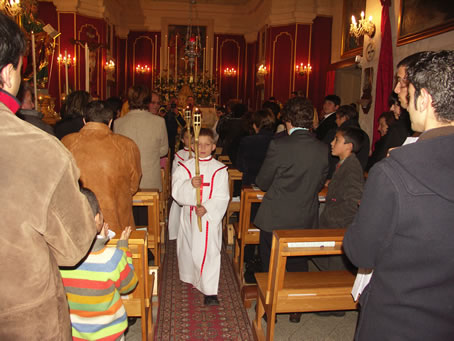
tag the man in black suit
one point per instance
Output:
(293, 173)
(330, 106)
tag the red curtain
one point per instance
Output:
(385, 74)
(330, 78)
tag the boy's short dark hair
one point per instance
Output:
(207, 132)
(92, 200)
(263, 119)
(388, 116)
(139, 97)
(333, 98)
(12, 43)
(353, 135)
(97, 111)
(114, 103)
(347, 111)
(299, 112)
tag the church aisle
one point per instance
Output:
(182, 314)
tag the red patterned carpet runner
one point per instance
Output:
(182, 314)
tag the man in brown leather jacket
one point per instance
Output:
(109, 165)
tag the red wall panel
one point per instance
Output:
(302, 55)
(140, 50)
(232, 50)
(321, 57)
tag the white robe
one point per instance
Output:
(199, 253)
(175, 209)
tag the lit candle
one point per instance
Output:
(35, 90)
(87, 69)
(168, 63)
(155, 53)
(160, 61)
(195, 70)
(176, 57)
(203, 67)
(66, 72)
(217, 53)
(211, 66)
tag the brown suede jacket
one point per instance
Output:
(110, 166)
(45, 223)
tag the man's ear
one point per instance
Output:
(6, 76)
(424, 100)
(213, 147)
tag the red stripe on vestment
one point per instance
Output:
(212, 180)
(176, 154)
(205, 252)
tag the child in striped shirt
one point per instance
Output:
(94, 286)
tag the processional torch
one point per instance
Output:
(197, 124)
(188, 118)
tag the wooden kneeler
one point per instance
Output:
(287, 292)
(150, 198)
(139, 302)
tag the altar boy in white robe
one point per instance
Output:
(175, 209)
(199, 253)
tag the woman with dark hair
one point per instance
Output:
(252, 149)
(385, 120)
(72, 113)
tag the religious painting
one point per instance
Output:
(366, 98)
(351, 46)
(177, 39)
(438, 18)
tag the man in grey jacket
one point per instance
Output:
(404, 227)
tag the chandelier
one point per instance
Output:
(193, 45)
(11, 7)
(365, 26)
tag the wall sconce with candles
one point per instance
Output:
(230, 72)
(142, 69)
(302, 69)
(364, 26)
(63, 60)
(262, 71)
(109, 66)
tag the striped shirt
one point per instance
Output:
(93, 290)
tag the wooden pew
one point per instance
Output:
(287, 292)
(150, 198)
(138, 302)
(247, 233)
(224, 159)
(234, 206)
